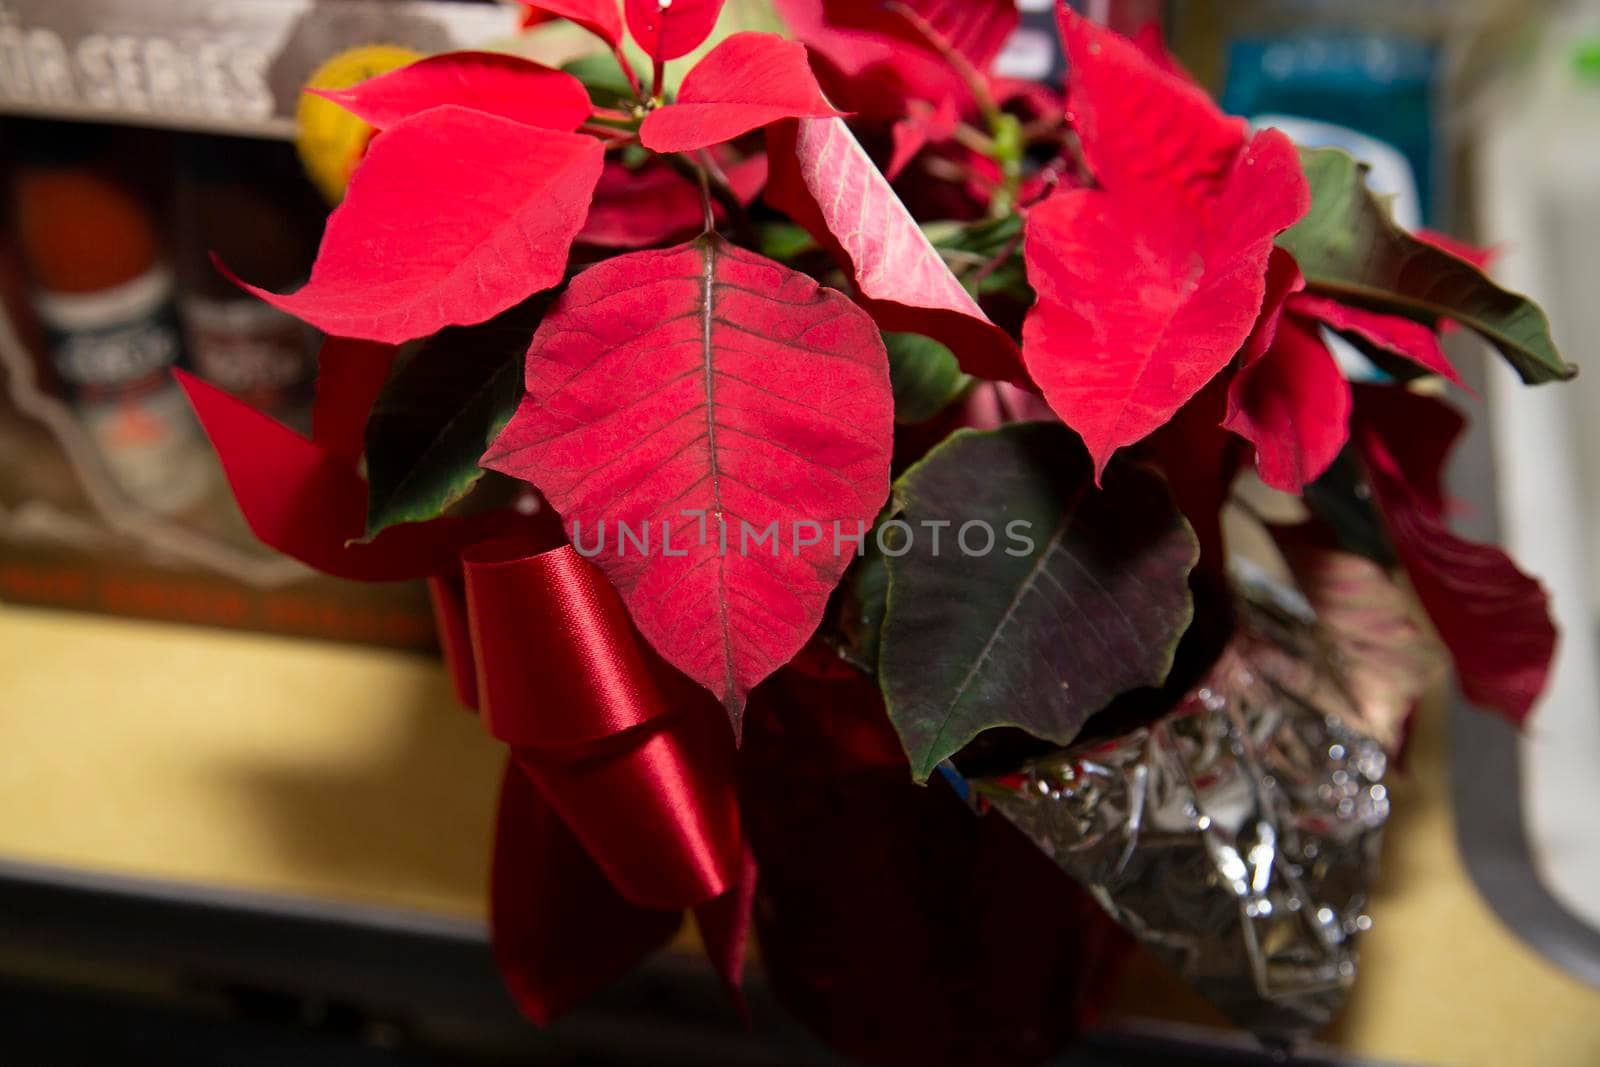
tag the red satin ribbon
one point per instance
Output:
(619, 808)
(622, 777)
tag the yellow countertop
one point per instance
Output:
(290, 766)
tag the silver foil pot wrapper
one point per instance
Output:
(1237, 835)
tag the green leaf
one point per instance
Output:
(439, 412)
(925, 376)
(607, 84)
(1082, 597)
(784, 241)
(1349, 247)
(1341, 499)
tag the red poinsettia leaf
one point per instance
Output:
(707, 379)
(1149, 40)
(1389, 333)
(1293, 403)
(748, 81)
(1419, 431)
(1142, 127)
(669, 29)
(923, 125)
(454, 216)
(1143, 298)
(603, 18)
(499, 84)
(1494, 619)
(350, 375)
(857, 34)
(654, 203)
(1283, 281)
(307, 500)
(824, 180)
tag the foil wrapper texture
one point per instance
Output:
(1237, 835)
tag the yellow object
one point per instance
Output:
(331, 141)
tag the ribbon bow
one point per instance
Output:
(619, 807)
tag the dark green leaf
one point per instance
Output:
(439, 412)
(607, 84)
(925, 375)
(1341, 499)
(1082, 597)
(1349, 247)
(784, 241)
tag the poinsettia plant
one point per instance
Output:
(840, 352)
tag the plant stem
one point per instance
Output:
(628, 72)
(705, 198)
(999, 260)
(962, 66)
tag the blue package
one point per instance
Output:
(1372, 93)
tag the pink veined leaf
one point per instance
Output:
(823, 180)
(1390, 333)
(1494, 619)
(504, 85)
(1293, 403)
(748, 81)
(454, 216)
(670, 29)
(634, 208)
(1144, 130)
(603, 18)
(1143, 296)
(923, 125)
(1389, 660)
(708, 398)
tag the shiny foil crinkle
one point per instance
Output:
(1236, 836)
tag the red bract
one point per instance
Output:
(454, 216)
(600, 17)
(1386, 333)
(668, 29)
(350, 375)
(1140, 305)
(1293, 404)
(746, 82)
(307, 500)
(706, 390)
(880, 55)
(1145, 130)
(923, 125)
(1494, 619)
(1289, 397)
(823, 180)
(1148, 284)
(655, 203)
(499, 84)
